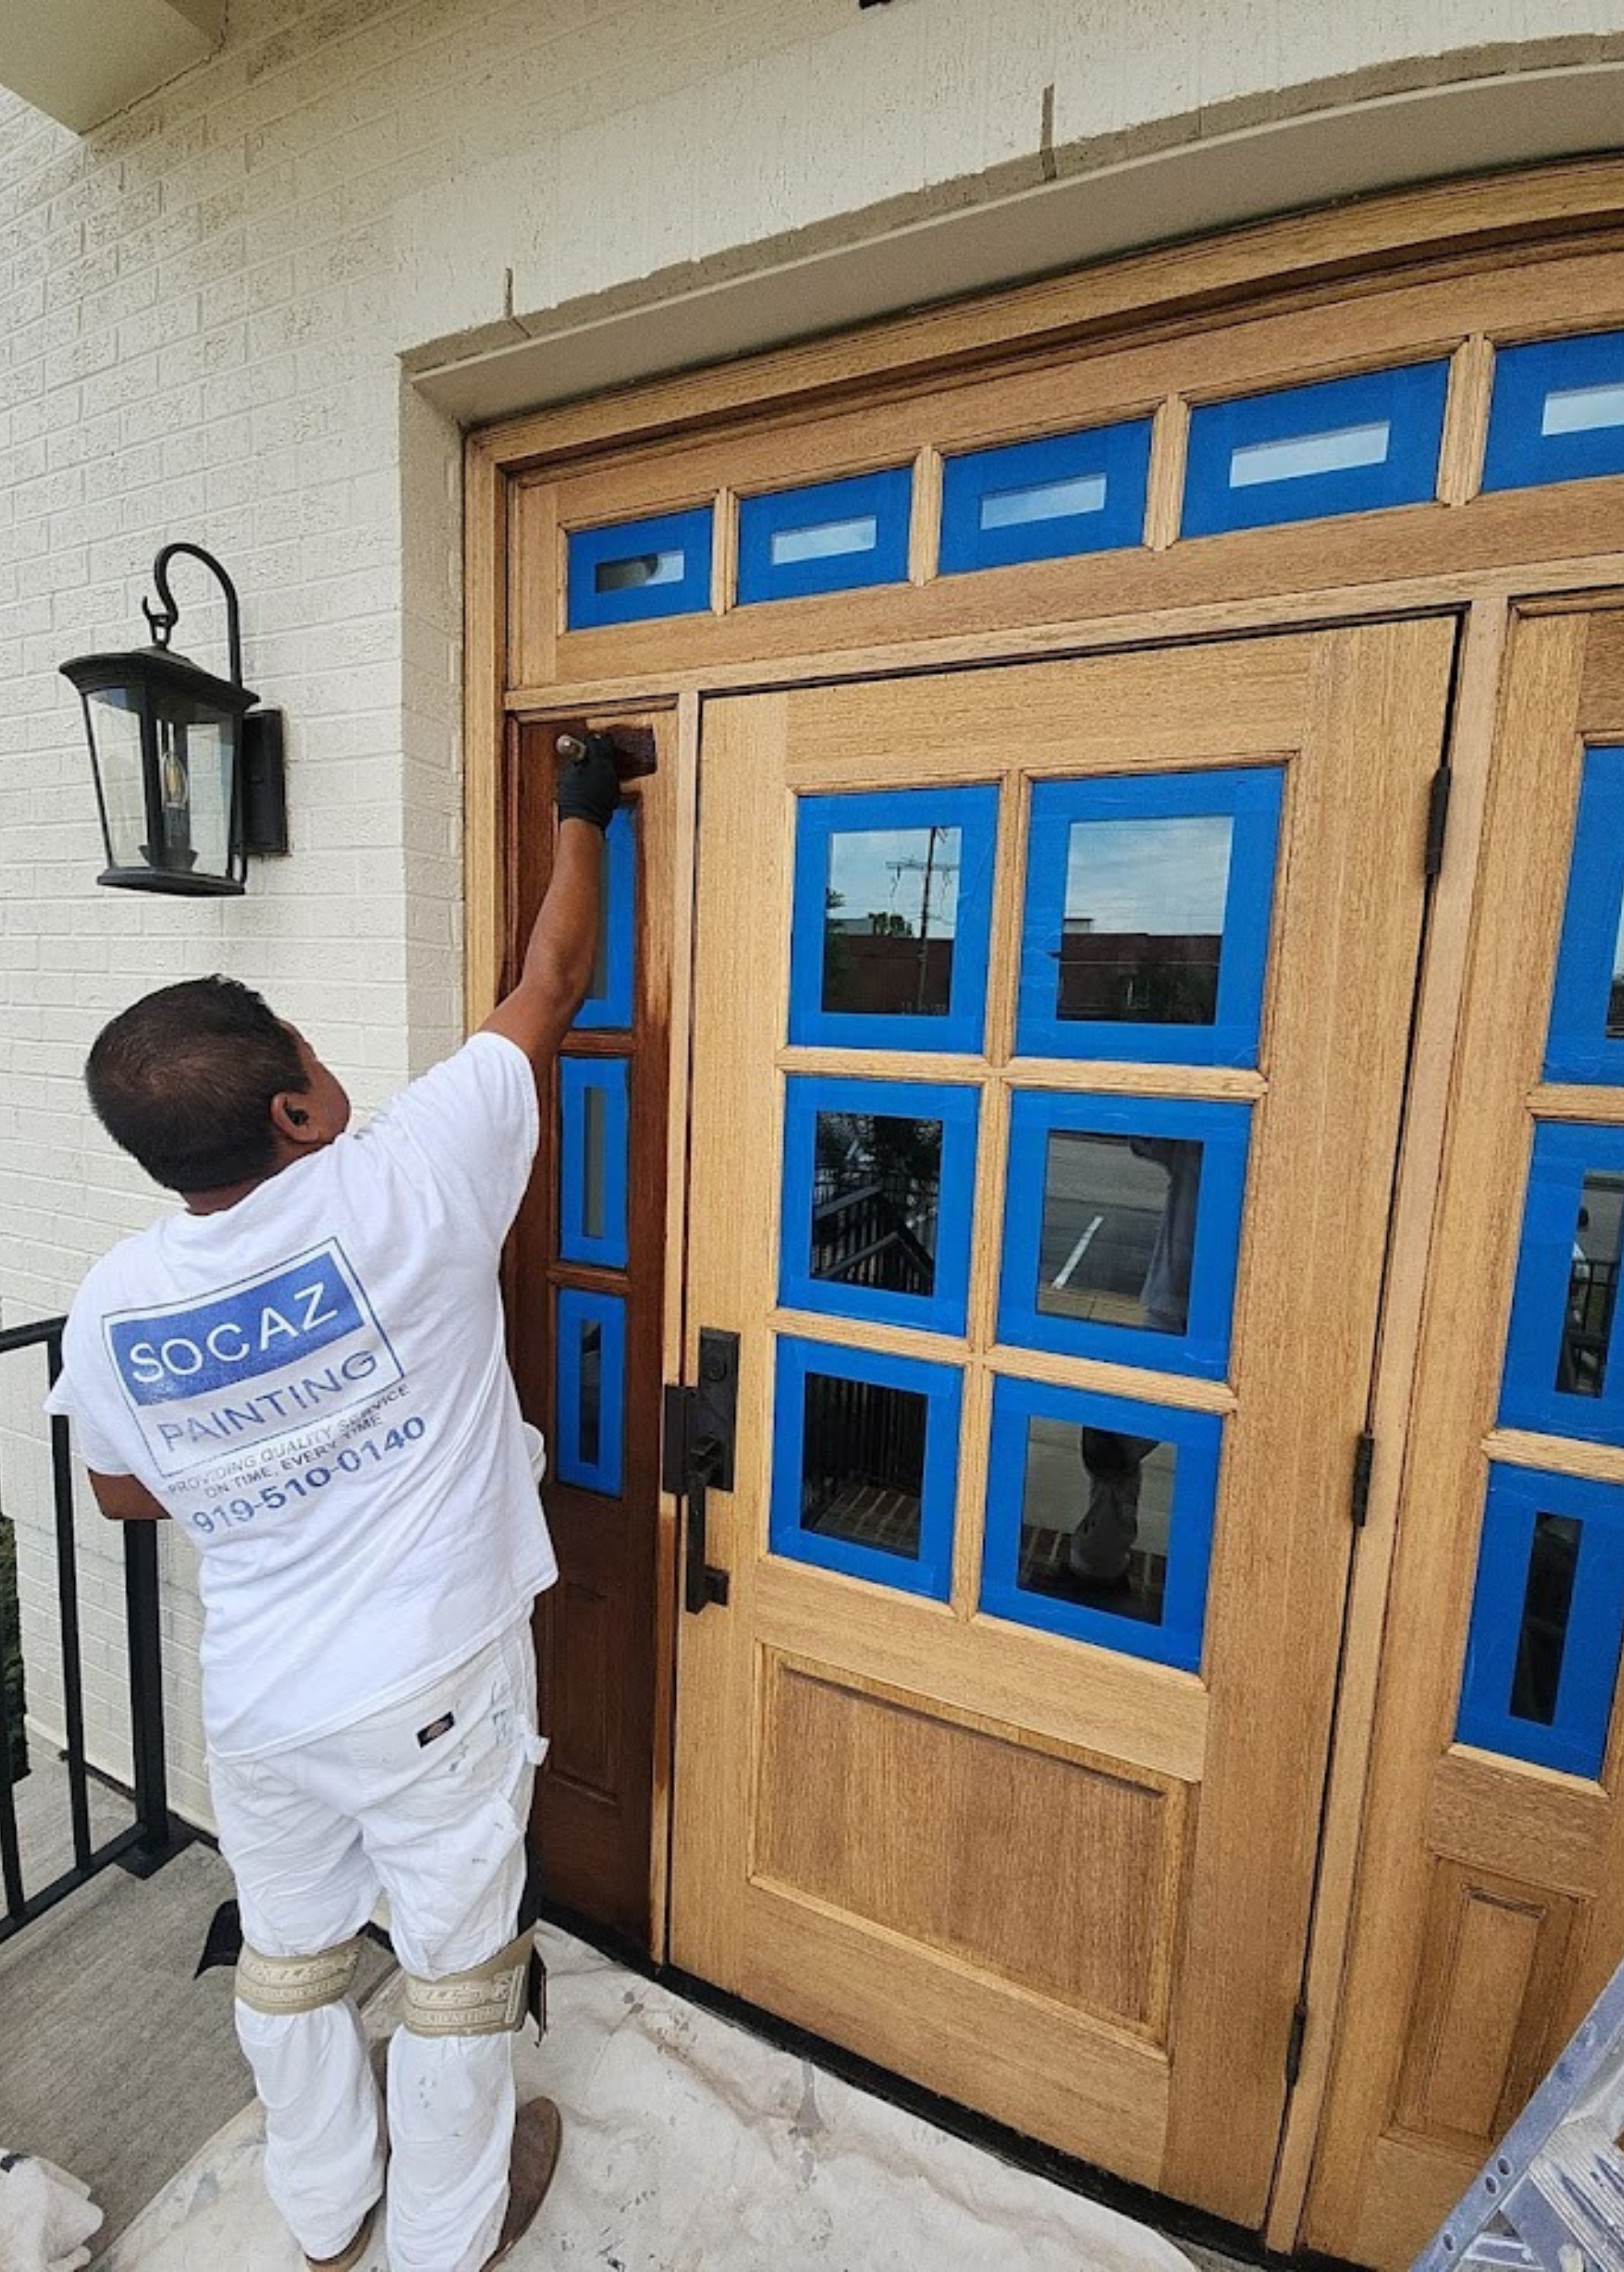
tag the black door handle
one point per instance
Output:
(700, 1424)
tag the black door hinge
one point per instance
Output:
(1437, 820)
(1363, 1460)
(1294, 2047)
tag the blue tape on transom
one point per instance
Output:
(1557, 413)
(637, 570)
(611, 1005)
(1563, 1376)
(858, 972)
(1197, 1440)
(869, 1236)
(1169, 874)
(1586, 1041)
(834, 536)
(591, 1359)
(595, 1158)
(1103, 1271)
(1542, 1654)
(1043, 500)
(1342, 445)
(866, 1449)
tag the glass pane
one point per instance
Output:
(1615, 992)
(1582, 409)
(1592, 1286)
(891, 916)
(639, 571)
(117, 729)
(1096, 1518)
(589, 1416)
(876, 1194)
(1144, 919)
(1295, 457)
(863, 1463)
(1118, 1228)
(1547, 1604)
(823, 540)
(595, 1156)
(1043, 501)
(599, 988)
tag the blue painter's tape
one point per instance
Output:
(665, 565)
(1576, 1739)
(1198, 1438)
(833, 536)
(574, 1462)
(1250, 796)
(973, 813)
(1223, 1132)
(930, 1571)
(614, 1008)
(1366, 442)
(1556, 413)
(1541, 1342)
(942, 1309)
(1043, 500)
(1586, 1040)
(578, 1077)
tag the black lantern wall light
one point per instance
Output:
(187, 770)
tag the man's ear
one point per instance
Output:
(290, 1117)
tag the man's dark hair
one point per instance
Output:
(184, 1080)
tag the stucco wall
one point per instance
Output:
(202, 310)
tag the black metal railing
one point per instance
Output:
(146, 1843)
(866, 1237)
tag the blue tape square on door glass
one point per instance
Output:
(611, 1006)
(639, 569)
(591, 1369)
(878, 1197)
(1562, 1375)
(1146, 923)
(834, 536)
(1542, 1653)
(1100, 1516)
(1341, 446)
(1586, 1040)
(595, 1157)
(1122, 1228)
(865, 1464)
(893, 910)
(1557, 412)
(1043, 500)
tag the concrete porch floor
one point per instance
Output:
(692, 2145)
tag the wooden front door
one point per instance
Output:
(1049, 1057)
(1489, 1905)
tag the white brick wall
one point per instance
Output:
(201, 309)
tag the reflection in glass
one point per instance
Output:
(637, 572)
(1043, 501)
(823, 540)
(1615, 992)
(863, 1463)
(1582, 409)
(597, 992)
(1542, 1638)
(891, 913)
(595, 1160)
(589, 1415)
(1592, 1286)
(1096, 1518)
(1118, 1228)
(1144, 919)
(876, 1194)
(1299, 457)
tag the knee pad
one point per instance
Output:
(284, 1985)
(492, 1999)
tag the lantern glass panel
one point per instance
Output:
(179, 822)
(115, 716)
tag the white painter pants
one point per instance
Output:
(311, 1835)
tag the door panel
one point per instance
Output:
(1002, 1763)
(1490, 1907)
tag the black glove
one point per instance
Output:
(590, 789)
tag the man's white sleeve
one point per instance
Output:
(473, 1122)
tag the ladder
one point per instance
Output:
(1552, 2198)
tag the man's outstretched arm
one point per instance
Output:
(122, 1498)
(557, 963)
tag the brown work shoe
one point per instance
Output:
(347, 2258)
(538, 2135)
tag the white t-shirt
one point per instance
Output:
(314, 1383)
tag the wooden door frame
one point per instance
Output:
(1332, 263)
